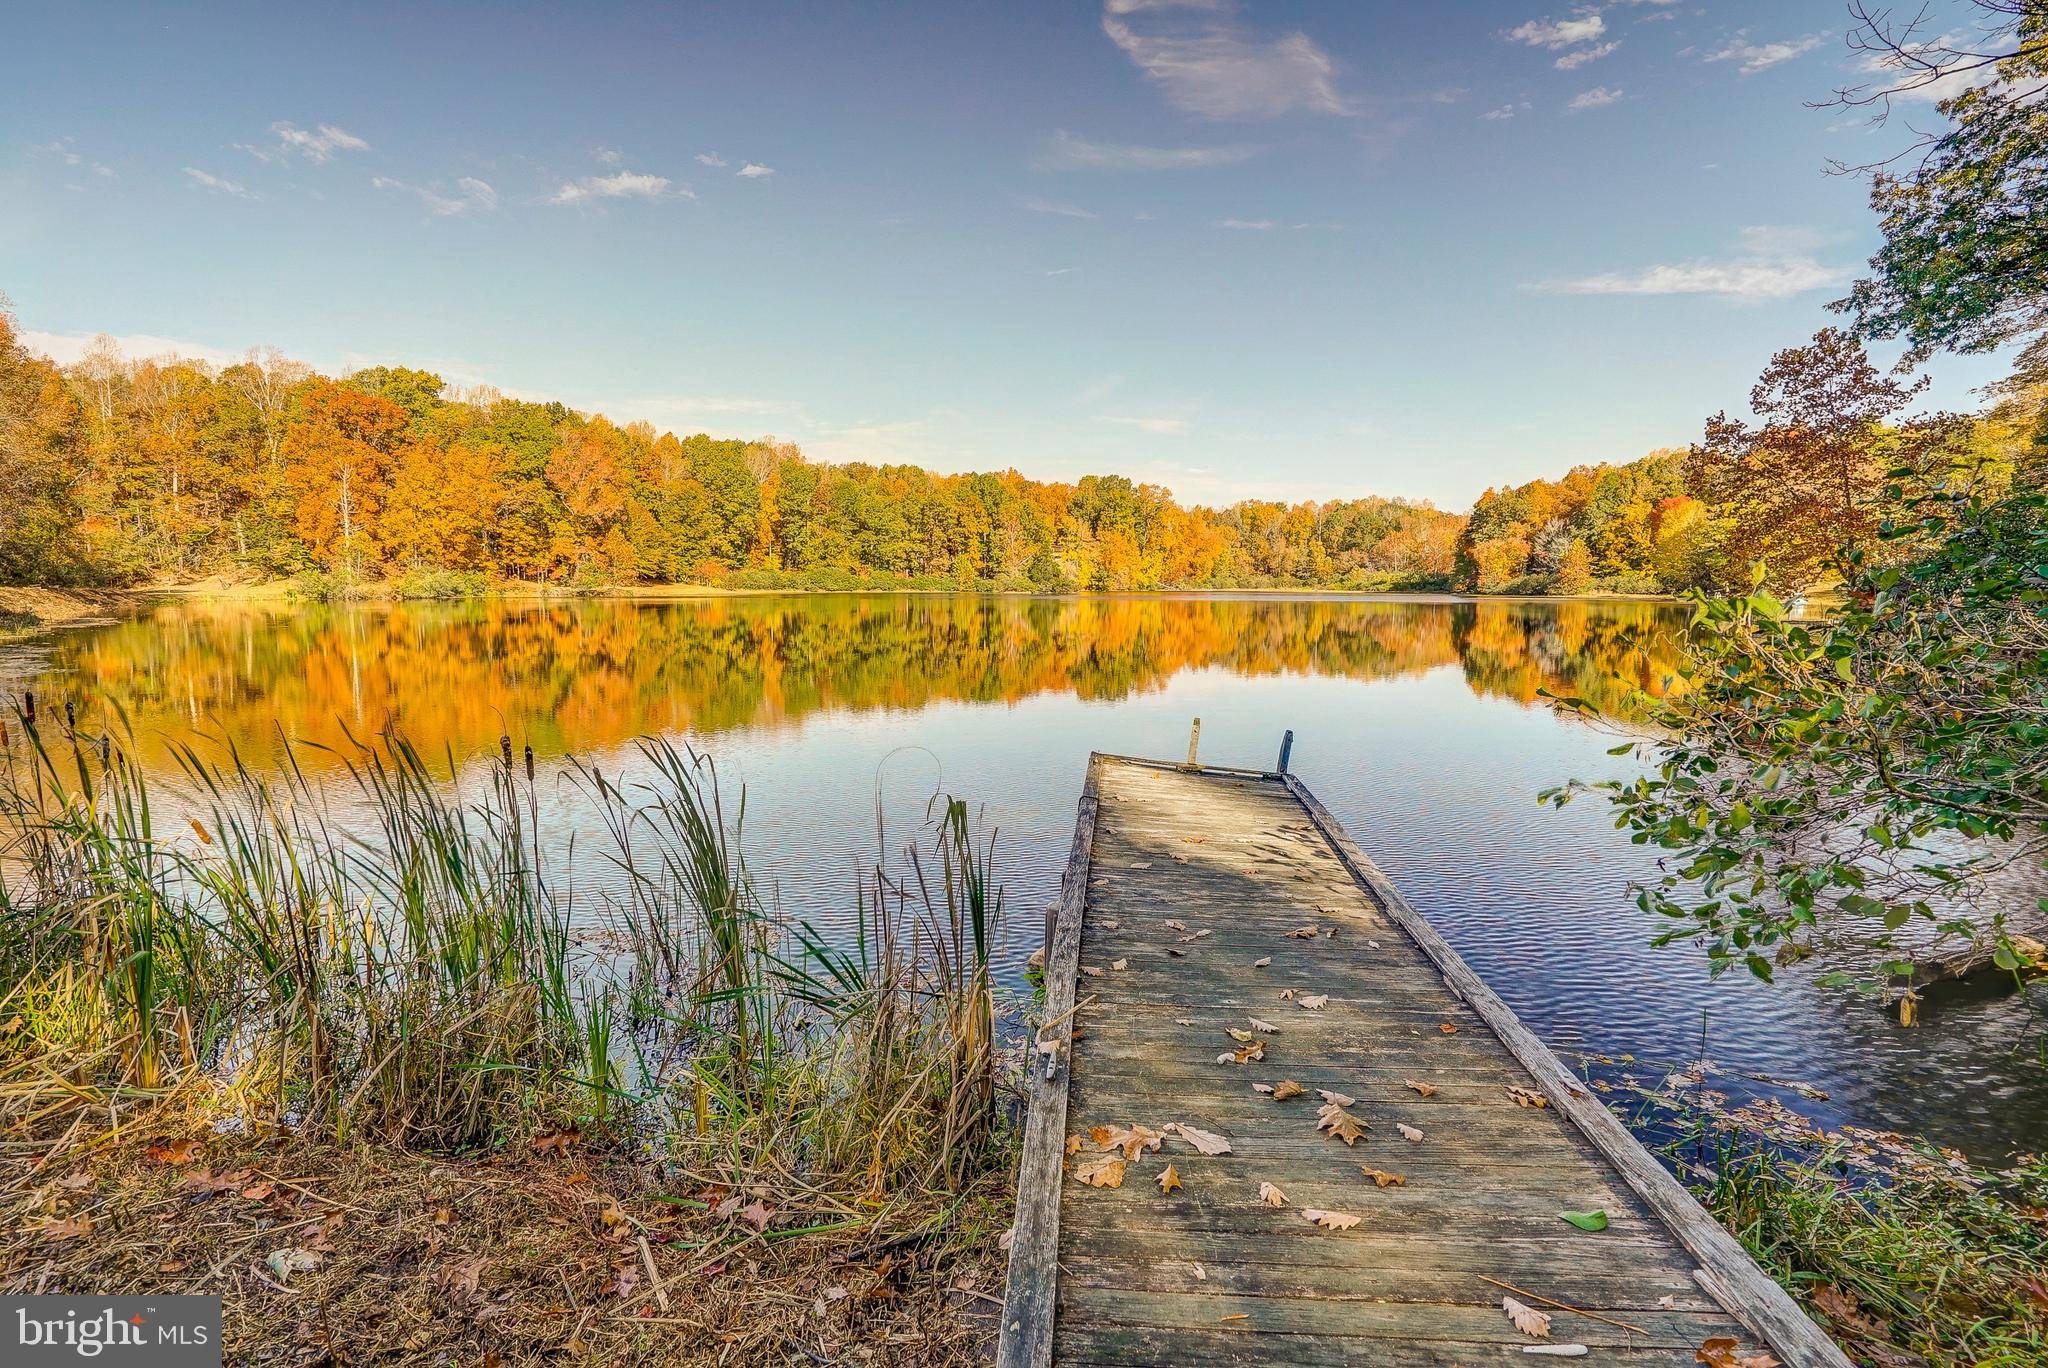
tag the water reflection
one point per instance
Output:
(589, 673)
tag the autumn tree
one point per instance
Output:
(338, 458)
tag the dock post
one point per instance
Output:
(1286, 749)
(1194, 740)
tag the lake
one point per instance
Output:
(1419, 722)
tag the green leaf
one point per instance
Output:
(1585, 1220)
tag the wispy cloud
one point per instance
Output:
(609, 156)
(754, 171)
(621, 185)
(68, 348)
(1768, 263)
(712, 160)
(66, 151)
(470, 195)
(1161, 427)
(1583, 27)
(1507, 111)
(1062, 270)
(1046, 206)
(1071, 152)
(1597, 98)
(1578, 57)
(1209, 64)
(1757, 57)
(206, 180)
(1936, 69)
(317, 144)
(1248, 225)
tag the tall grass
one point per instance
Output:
(386, 955)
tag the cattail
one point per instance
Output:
(529, 764)
(70, 716)
(505, 749)
(28, 708)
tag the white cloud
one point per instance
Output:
(1768, 263)
(1757, 57)
(1596, 98)
(315, 145)
(471, 195)
(1507, 111)
(1070, 152)
(1248, 225)
(64, 150)
(1905, 81)
(610, 156)
(621, 185)
(1210, 65)
(1583, 27)
(1161, 427)
(712, 159)
(1046, 206)
(1063, 270)
(206, 180)
(1578, 57)
(69, 348)
(754, 171)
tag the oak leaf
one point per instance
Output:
(1529, 1097)
(1340, 1124)
(1262, 961)
(1314, 1002)
(1169, 1180)
(1382, 1178)
(1408, 1132)
(1119, 965)
(1329, 1220)
(1285, 1089)
(1336, 1099)
(1448, 1028)
(69, 1228)
(1104, 1170)
(1425, 1089)
(1271, 1195)
(1724, 1351)
(173, 1152)
(1527, 1319)
(1176, 924)
(1302, 933)
(1207, 1142)
(1257, 1025)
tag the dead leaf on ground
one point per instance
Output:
(173, 1152)
(1314, 1002)
(1340, 1124)
(1169, 1180)
(1381, 1178)
(1527, 1319)
(1244, 1054)
(1130, 1139)
(1119, 965)
(757, 1214)
(1176, 924)
(1336, 1099)
(291, 1259)
(1271, 1195)
(1194, 936)
(1448, 1028)
(1408, 1132)
(1238, 1034)
(1257, 1025)
(1262, 961)
(69, 1228)
(1329, 1220)
(1285, 1089)
(1206, 1142)
(1302, 933)
(1426, 1089)
(1074, 1143)
(559, 1142)
(1529, 1097)
(1105, 1170)
(1091, 971)
(1725, 1351)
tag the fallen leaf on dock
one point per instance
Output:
(1091, 971)
(1130, 1139)
(1207, 1142)
(1408, 1132)
(1074, 1143)
(1381, 1178)
(1314, 1002)
(1272, 1195)
(1448, 1028)
(1176, 924)
(1585, 1220)
(1101, 1170)
(1257, 1025)
(1336, 1099)
(1426, 1089)
(1240, 1035)
(1170, 1180)
(1196, 935)
(1340, 1124)
(1177, 954)
(1329, 1220)
(1285, 1089)
(1236, 1316)
(1262, 961)
(1529, 1097)
(1303, 933)
(1119, 965)
(1723, 1351)
(1527, 1319)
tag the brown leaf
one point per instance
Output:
(1426, 1089)
(1529, 1097)
(1091, 971)
(1207, 1142)
(1236, 1034)
(1101, 1170)
(1130, 1139)
(1329, 1220)
(1169, 1180)
(1285, 1089)
(1196, 935)
(1448, 1028)
(173, 1152)
(757, 1214)
(1314, 1002)
(1176, 924)
(70, 1228)
(1257, 1025)
(259, 1192)
(1336, 1099)
(1074, 1142)
(1408, 1132)
(1724, 1351)
(1341, 1124)
(1302, 933)
(1527, 1319)
(1272, 1195)
(1119, 965)
(1262, 961)
(559, 1142)
(1382, 1178)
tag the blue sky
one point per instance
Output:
(1235, 247)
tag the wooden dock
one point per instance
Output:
(1220, 943)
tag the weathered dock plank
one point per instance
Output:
(1209, 914)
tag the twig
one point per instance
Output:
(1562, 1306)
(654, 1275)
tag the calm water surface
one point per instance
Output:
(1418, 722)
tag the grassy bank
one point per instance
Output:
(349, 1061)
